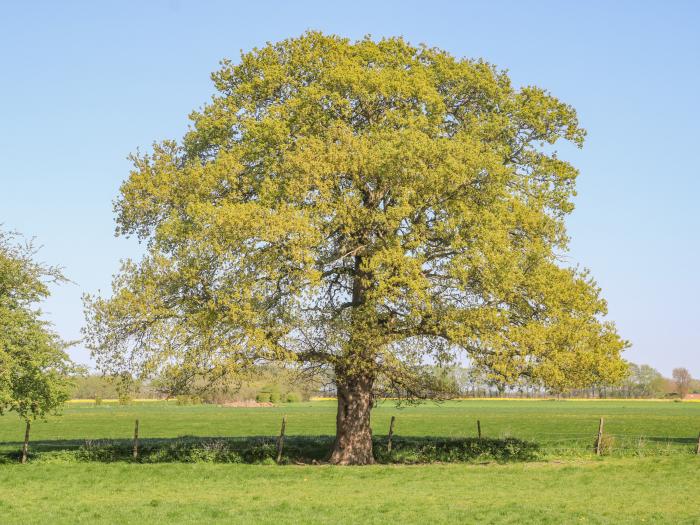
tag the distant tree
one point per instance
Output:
(643, 381)
(651, 382)
(90, 386)
(682, 379)
(464, 380)
(34, 366)
(695, 386)
(366, 207)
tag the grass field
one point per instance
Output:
(647, 490)
(559, 427)
(651, 474)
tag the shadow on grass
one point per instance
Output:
(673, 440)
(263, 450)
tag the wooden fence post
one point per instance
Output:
(391, 433)
(599, 441)
(25, 447)
(280, 440)
(478, 428)
(136, 439)
(697, 449)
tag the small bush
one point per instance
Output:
(98, 400)
(273, 390)
(293, 397)
(274, 397)
(607, 443)
(125, 399)
(100, 450)
(211, 452)
(263, 397)
(216, 398)
(184, 400)
(261, 451)
(454, 450)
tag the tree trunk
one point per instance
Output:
(25, 448)
(353, 435)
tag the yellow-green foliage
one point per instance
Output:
(263, 397)
(185, 400)
(125, 399)
(92, 385)
(293, 397)
(361, 206)
(34, 366)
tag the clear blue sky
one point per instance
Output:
(83, 84)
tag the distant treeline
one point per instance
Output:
(275, 382)
(642, 381)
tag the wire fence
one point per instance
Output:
(548, 445)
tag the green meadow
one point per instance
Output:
(649, 473)
(646, 490)
(557, 427)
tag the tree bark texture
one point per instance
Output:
(353, 438)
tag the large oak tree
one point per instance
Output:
(366, 207)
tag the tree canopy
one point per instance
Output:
(366, 207)
(34, 366)
(682, 379)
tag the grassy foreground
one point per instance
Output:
(650, 475)
(648, 490)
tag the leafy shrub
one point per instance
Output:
(263, 397)
(307, 449)
(293, 397)
(98, 400)
(261, 451)
(216, 398)
(54, 456)
(125, 399)
(315, 449)
(428, 450)
(607, 442)
(184, 400)
(100, 450)
(275, 397)
(210, 452)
